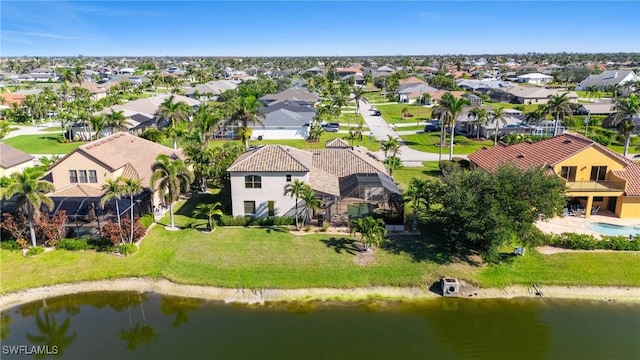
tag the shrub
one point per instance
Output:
(23, 243)
(307, 228)
(126, 249)
(10, 245)
(101, 244)
(227, 220)
(34, 251)
(146, 220)
(51, 230)
(600, 139)
(117, 235)
(73, 244)
(325, 227)
(447, 166)
(588, 242)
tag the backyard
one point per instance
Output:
(275, 258)
(46, 143)
(393, 113)
(427, 142)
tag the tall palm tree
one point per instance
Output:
(30, 195)
(115, 120)
(481, 116)
(209, 210)
(174, 112)
(97, 123)
(311, 202)
(498, 116)
(390, 146)
(447, 110)
(392, 163)
(207, 120)
(247, 112)
(339, 101)
(537, 115)
(113, 191)
(358, 95)
(170, 176)
(625, 111)
(295, 189)
(558, 107)
(131, 188)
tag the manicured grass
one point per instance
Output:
(523, 107)
(370, 144)
(404, 175)
(427, 142)
(274, 258)
(42, 144)
(392, 114)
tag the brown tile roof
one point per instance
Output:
(77, 190)
(10, 156)
(550, 152)
(269, 158)
(343, 162)
(122, 149)
(412, 80)
(12, 98)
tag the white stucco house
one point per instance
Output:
(608, 79)
(340, 176)
(535, 78)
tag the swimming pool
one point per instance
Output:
(614, 230)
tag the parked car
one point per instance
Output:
(330, 128)
(335, 125)
(431, 127)
(376, 113)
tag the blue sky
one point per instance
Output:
(306, 28)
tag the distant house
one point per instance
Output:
(534, 78)
(296, 96)
(13, 160)
(537, 95)
(78, 176)
(608, 79)
(594, 175)
(210, 91)
(285, 121)
(345, 179)
(474, 100)
(348, 71)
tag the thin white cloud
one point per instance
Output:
(49, 35)
(17, 40)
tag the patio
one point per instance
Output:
(578, 224)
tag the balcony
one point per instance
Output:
(595, 186)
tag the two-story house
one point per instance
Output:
(595, 176)
(340, 175)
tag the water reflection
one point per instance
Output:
(132, 325)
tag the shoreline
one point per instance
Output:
(260, 296)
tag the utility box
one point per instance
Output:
(450, 287)
(519, 251)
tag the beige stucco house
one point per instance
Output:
(13, 160)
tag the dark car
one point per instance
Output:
(578, 109)
(376, 113)
(431, 127)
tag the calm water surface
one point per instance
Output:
(123, 325)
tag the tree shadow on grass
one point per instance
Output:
(419, 248)
(276, 229)
(342, 244)
(432, 172)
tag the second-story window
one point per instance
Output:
(288, 177)
(93, 176)
(253, 182)
(83, 176)
(568, 173)
(598, 173)
(73, 176)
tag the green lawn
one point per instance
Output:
(427, 142)
(42, 144)
(372, 144)
(523, 107)
(404, 175)
(393, 113)
(272, 258)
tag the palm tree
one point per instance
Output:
(174, 113)
(390, 146)
(209, 210)
(30, 196)
(498, 116)
(97, 123)
(357, 96)
(170, 176)
(115, 120)
(558, 107)
(295, 189)
(131, 188)
(537, 115)
(113, 190)
(415, 195)
(248, 111)
(448, 110)
(392, 163)
(625, 111)
(339, 101)
(311, 202)
(352, 136)
(481, 116)
(371, 231)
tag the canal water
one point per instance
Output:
(131, 325)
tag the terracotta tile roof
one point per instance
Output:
(411, 80)
(269, 158)
(10, 156)
(551, 152)
(77, 190)
(12, 98)
(343, 162)
(336, 143)
(122, 149)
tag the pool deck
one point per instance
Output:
(578, 225)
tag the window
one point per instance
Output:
(93, 177)
(253, 182)
(249, 207)
(288, 177)
(598, 173)
(73, 176)
(83, 176)
(272, 208)
(598, 198)
(568, 173)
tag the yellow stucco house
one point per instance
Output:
(596, 177)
